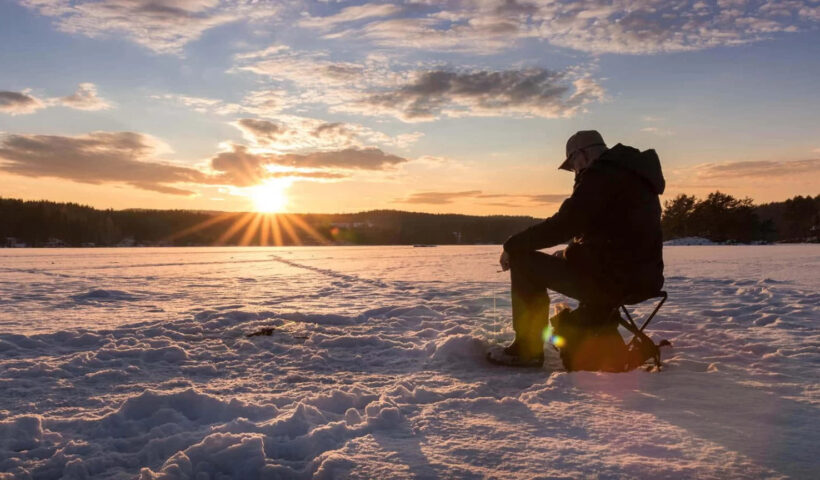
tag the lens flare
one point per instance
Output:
(549, 336)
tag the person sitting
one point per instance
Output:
(612, 223)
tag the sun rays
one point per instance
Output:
(255, 229)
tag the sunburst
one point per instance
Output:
(256, 228)
(270, 196)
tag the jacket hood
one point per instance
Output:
(645, 164)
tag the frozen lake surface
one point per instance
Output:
(116, 363)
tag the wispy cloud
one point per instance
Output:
(300, 133)
(312, 72)
(756, 174)
(533, 92)
(352, 14)
(467, 27)
(239, 166)
(763, 169)
(201, 104)
(257, 102)
(376, 87)
(494, 199)
(132, 158)
(97, 157)
(85, 98)
(438, 198)
(661, 132)
(164, 27)
(619, 26)
(370, 158)
(19, 103)
(470, 26)
(294, 133)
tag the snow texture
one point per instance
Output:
(135, 363)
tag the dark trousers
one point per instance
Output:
(532, 273)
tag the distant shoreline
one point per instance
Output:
(685, 221)
(100, 247)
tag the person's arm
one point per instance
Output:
(572, 219)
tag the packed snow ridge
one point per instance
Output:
(357, 380)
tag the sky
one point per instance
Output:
(435, 106)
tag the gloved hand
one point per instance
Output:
(504, 261)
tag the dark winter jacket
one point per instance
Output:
(613, 219)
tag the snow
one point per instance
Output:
(124, 363)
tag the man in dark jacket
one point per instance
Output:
(612, 225)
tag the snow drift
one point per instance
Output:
(374, 369)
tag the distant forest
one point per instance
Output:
(718, 217)
(724, 218)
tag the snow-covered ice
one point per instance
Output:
(124, 363)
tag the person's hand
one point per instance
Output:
(504, 261)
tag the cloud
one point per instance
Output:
(499, 199)
(661, 132)
(298, 134)
(239, 167)
(85, 98)
(439, 198)
(131, 158)
(547, 198)
(312, 77)
(282, 63)
(258, 102)
(466, 31)
(261, 131)
(96, 158)
(19, 103)
(201, 104)
(369, 158)
(375, 87)
(243, 168)
(527, 92)
(351, 14)
(763, 169)
(164, 27)
(466, 26)
(266, 101)
(596, 26)
(294, 133)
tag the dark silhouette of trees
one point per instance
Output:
(801, 215)
(724, 218)
(35, 223)
(719, 217)
(676, 216)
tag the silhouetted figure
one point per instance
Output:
(612, 222)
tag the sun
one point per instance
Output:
(270, 196)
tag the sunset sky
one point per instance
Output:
(450, 106)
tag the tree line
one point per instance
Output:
(45, 223)
(719, 217)
(723, 218)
